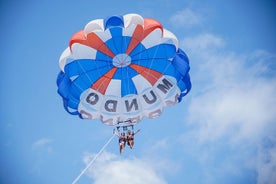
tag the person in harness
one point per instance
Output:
(122, 142)
(130, 138)
(123, 139)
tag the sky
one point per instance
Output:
(223, 131)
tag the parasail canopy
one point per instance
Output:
(122, 68)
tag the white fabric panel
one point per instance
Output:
(80, 51)
(171, 37)
(90, 104)
(94, 25)
(130, 19)
(141, 83)
(154, 38)
(151, 103)
(129, 31)
(114, 88)
(167, 90)
(106, 35)
(64, 56)
(110, 109)
(148, 97)
(131, 108)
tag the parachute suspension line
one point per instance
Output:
(93, 160)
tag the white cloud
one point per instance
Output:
(186, 18)
(266, 162)
(202, 42)
(41, 142)
(236, 99)
(110, 168)
(240, 111)
(232, 108)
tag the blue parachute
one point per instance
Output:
(122, 68)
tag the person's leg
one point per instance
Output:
(121, 148)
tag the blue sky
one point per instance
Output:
(222, 132)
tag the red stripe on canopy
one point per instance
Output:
(151, 75)
(141, 32)
(102, 83)
(91, 40)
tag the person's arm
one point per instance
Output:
(136, 131)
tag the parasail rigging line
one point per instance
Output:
(93, 160)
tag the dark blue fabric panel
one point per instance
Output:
(103, 57)
(181, 62)
(184, 84)
(171, 70)
(188, 83)
(125, 43)
(138, 49)
(115, 45)
(87, 79)
(101, 71)
(124, 73)
(94, 70)
(65, 105)
(159, 51)
(116, 31)
(63, 83)
(78, 86)
(181, 85)
(118, 44)
(73, 102)
(113, 21)
(127, 87)
(81, 66)
(84, 81)
(60, 77)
